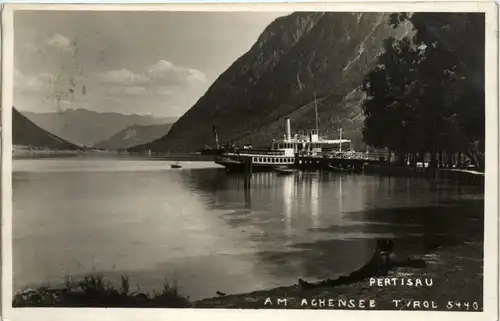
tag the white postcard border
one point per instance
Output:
(491, 240)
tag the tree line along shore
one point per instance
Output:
(426, 96)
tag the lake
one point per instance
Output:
(200, 227)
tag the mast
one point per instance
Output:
(340, 145)
(316, 112)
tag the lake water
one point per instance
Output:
(199, 226)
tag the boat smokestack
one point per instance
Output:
(288, 128)
(216, 136)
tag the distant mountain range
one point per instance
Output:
(134, 135)
(25, 133)
(297, 58)
(86, 128)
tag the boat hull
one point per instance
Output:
(286, 171)
(239, 167)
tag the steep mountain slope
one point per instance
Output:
(134, 135)
(296, 57)
(26, 133)
(86, 127)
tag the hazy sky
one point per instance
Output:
(129, 62)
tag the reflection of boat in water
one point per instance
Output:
(285, 170)
(175, 166)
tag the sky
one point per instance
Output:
(157, 63)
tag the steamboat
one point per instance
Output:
(283, 154)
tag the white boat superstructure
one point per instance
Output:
(282, 153)
(309, 142)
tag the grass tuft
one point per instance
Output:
(94, 291)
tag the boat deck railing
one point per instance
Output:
(260, 152)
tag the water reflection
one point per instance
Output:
(288, 196)
(248, 198)
(314, 202)
(310, 220)
(205, 224)
(285, 216)
(340, 196)
(299, 202)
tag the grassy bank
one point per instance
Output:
(94, 291)
(456, 272)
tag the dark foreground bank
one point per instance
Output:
(456, 274)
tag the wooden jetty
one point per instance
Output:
(327, 163)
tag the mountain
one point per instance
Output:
(134, 135)
(297, 57)
(86, 127)
(26, 133)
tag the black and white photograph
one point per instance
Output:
(287, 159)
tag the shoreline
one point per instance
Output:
(447, 287)
(47, 154)
(459, 175)
(441, 289)
(383, 169)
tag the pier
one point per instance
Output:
(323, 162)
(460, 176)
(370, 166)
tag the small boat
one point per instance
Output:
(175, 166)
(285, 171)
(340, 170)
